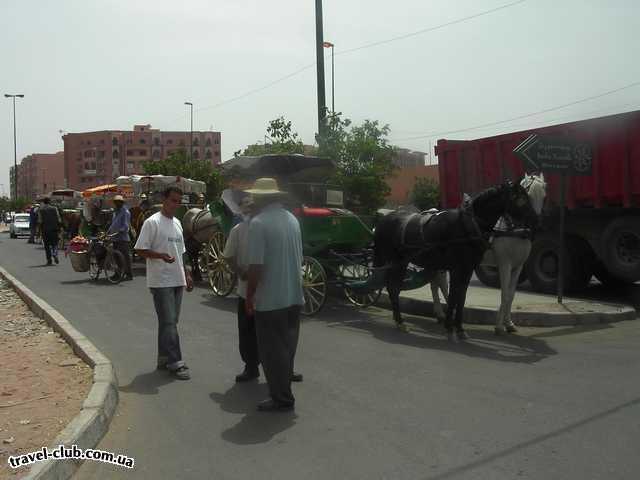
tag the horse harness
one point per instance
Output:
(412, 232)
(507, 227)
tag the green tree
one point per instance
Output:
(425, 194)
(283, 140)
(364, 160)
(178, 163)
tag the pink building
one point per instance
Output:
(39, 174)
(96, 158)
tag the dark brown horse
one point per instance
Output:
(453, 240)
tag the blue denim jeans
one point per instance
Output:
(167, 302)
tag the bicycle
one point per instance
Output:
(104, 258)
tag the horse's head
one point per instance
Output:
(524, 199)
(536, 188)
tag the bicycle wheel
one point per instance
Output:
(114, 266)
(94, 265)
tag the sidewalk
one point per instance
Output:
(529, 309)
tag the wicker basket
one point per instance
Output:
(80, 261)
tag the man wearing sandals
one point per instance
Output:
(161, 243)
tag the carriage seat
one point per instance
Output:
(312, 212)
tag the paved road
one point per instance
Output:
(376, 403)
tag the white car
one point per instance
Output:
(19, 225)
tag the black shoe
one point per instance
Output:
(181, 373)
(55, 259)
(271, 406)
(296, 377)
(49, 263)
(162, 366)
(248, 375)
(127, 278)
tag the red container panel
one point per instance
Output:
(470, 166)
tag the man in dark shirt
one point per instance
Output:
(120, 226)
(50, 223)
(33, 222)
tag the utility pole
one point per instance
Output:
(191, 134)
(322, 107)
(15, 149)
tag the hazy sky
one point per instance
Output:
(109, 64)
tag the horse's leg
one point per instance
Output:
(395, 276)
(515, 276)
(504, 271)
(452, 303)
(463, 285)
(439, 283)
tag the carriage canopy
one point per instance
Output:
(156, 183)
(286, 169)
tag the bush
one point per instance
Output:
(425, 194)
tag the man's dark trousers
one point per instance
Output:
(50, 239)
(123, 247)
(278, 332)
(248, 338)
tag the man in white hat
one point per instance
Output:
(274, 290)
(120, 225)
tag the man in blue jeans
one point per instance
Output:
(161, 243)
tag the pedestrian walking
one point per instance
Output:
(274, 290)
(49, 222)
(120, 227)
(33, 223)
(161, 243)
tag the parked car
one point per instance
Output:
(19, 225)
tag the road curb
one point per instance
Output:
(600, 313)
(88, 427)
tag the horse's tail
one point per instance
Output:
(383, 244)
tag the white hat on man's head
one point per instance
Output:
(118, 198)
(265, 186)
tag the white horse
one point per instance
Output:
(511, 246)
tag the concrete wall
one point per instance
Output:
(405, 178)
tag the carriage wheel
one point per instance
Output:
(221, 278)
(202, 262)
(314, 285)
(359, 273)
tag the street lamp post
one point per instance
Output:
(15, 149)
(333, 78)
(322, 106)
(191, 134)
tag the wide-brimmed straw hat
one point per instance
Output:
(265, 186)
(118, 198)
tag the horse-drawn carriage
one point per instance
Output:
(336, 243)
(67, 202)
(146, 196)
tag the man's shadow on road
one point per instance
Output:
(148, 383)
(227, 304)
(255, 427)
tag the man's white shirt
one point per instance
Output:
(163, 235)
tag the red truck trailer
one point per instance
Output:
(603, 210)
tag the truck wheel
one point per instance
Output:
(488, 275)
(582, 263)
(543, 264)
(607, 279)
(621, 248)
